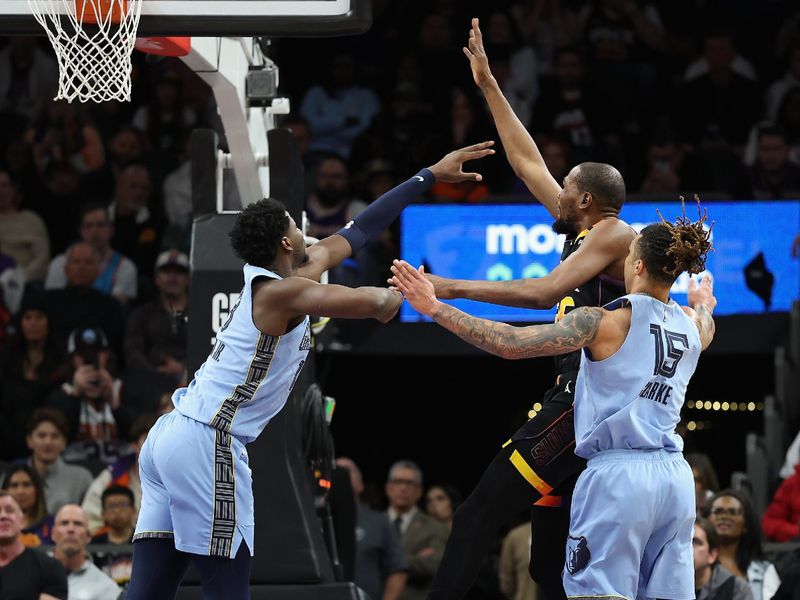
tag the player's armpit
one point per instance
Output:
(324, 255)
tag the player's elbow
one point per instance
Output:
(541, 297)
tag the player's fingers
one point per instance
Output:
(478, 147)
(467, 53)
(472, 176)
(692, 284)
(478, 154)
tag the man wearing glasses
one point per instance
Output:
(423, 539)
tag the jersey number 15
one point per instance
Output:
(668, 354)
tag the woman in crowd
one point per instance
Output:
(32, 367)
(22, 482)
(705, 479)
(441, 503)
(739, 535)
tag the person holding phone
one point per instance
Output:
(91, 398)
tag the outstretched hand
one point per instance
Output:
(449, 169)
(478, 61)
(703, 294)
(414, 286)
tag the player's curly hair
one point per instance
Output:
(258, 231)
(669, 249)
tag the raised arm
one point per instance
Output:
(606, 244)
(702, 302)
(522, 152)
(379, 215)
(277, 303)
(577, 329)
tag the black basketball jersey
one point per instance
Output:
(598, 291)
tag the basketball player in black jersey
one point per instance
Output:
(537, 467)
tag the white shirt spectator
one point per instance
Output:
(124, 277)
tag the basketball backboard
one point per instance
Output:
(198, 18)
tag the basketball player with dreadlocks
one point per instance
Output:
(632, 513)
(537, 468)
(197, 496)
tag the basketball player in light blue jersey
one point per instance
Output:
(197, 497)
(633, 509)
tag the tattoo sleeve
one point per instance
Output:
(705, 323)
(578, 329)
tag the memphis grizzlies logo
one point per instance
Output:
(578, 554)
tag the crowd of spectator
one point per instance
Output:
(95, 216)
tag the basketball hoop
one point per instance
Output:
(93, 41)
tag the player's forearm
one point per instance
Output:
(521, 150)
(577, 330)
(520, 293)
(706, 325)
(380, 214)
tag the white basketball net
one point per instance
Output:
(94, 59)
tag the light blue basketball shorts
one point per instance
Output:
(196, 488)
(631, 526)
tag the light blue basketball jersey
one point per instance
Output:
(632, 399)
(249, 375)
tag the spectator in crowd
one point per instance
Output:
(739, 533)
(441, 502)
(380, 567)
(155, 338)
(91, 399)
(117, 276)
(779, 88)
(79, 305)
(12, 288)
(32, 366)
(332, 205)
(773, 175)
(514, 566)
(56, 196)
(705, 479)
(402, 134)
(23, 483)
(136, 233)
(792, 457)
(28, 76)
(514, 63)
(119, 515)
(24, 572)
(123, 473)
(712, 581)
(71, 536)
(422, 537)
(789, 121)
(22, 232)
(781, 520)
(567, 109)
(721, 96)
(340, 110)
(669, 169)
(47, 438)
(166, 120)
(63, 134)
(467, 126)
(125, 148)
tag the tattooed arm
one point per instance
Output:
(701, 299)
(577, 330)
